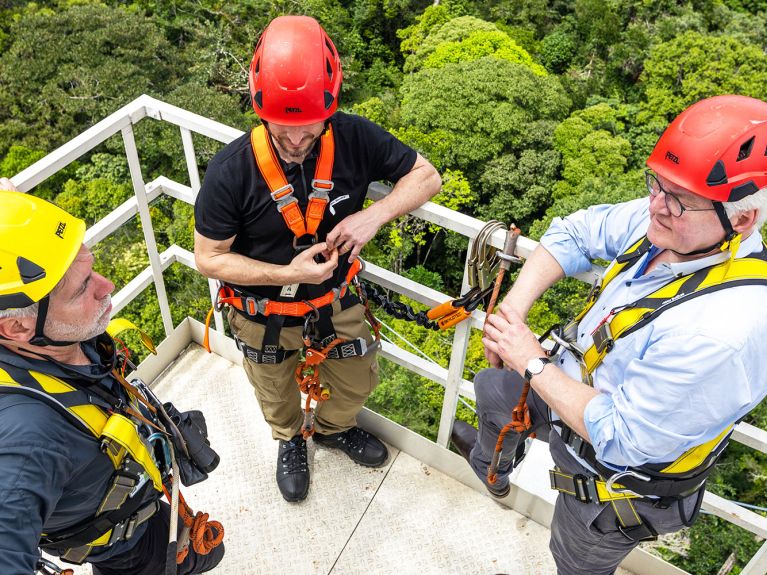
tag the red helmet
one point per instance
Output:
(716, 148)
(295, 75)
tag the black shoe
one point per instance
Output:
(464, 436)
(362, 447)
(293, 469)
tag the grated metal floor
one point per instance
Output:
(405, 518)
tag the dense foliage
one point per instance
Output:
(530, 109)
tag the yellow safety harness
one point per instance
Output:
(687, 474)
(126, 503)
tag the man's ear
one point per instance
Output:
(19, 329)
(744, 221)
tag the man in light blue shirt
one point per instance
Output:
(647, 393)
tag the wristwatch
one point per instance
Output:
(535, 366)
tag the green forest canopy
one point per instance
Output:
(530, 109)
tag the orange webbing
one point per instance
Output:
(206, 337)
(323, 175)
(201, 531)
(270, 169)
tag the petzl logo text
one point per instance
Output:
(60, 230)
(292, 110)
(674, 158)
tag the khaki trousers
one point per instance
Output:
(350, 380)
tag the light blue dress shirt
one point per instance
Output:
(683, 378)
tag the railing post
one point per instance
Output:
(191, 160)
(758, 563)
(455, 369)
(194, 183)
(134, 165)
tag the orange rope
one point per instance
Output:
(202, 536)
(308, 380)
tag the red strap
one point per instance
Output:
(282, 191)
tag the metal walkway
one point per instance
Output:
(404, 518)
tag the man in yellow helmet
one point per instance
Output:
(63, 486)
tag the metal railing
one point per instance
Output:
(451, 379)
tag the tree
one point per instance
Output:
(694, 66)
(66, 70)
(489, 105)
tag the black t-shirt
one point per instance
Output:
(235, 200)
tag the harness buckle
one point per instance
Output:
(603, 337)
(283, 196)
(298, 248)
(613, 490)
(251, 305)
(585, 488)
(322, 187)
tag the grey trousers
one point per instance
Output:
(585, 539)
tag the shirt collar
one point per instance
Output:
(751, 244)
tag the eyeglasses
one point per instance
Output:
(673, 203)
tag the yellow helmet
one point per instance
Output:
(38, 243)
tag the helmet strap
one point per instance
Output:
(39, 339)
(729, 234)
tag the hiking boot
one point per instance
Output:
(362, 447)
(464, 436)
(293, 469)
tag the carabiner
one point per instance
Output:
(610, 484)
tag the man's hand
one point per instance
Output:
(307, 270)
(508, 339)
(352, 233)
(6, 184)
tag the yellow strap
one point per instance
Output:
(601, 487)
(610, 274)
(729, 271)
(119, 325)
(694, 456)
(123, 431)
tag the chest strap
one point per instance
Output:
(624, 320)
(283, 193)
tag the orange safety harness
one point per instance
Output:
(282, 191)
(316, 351)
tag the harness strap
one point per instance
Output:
(253, 306)
(589, 489)
(674, 480)
(622, 321)
(117, 519)
(282, 191)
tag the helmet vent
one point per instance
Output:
(331, 48)
(257, 67)
(258, 99)
(329, 69)
(742, 191)
(718, 174)
(745, 149)
(328, 100)
(29, 271)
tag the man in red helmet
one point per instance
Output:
(280, 221)
(644, 387)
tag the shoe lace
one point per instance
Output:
(356, 438)
(294, 457)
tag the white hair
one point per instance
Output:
(757, 201)
(20, 312)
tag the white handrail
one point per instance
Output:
(122, 122)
